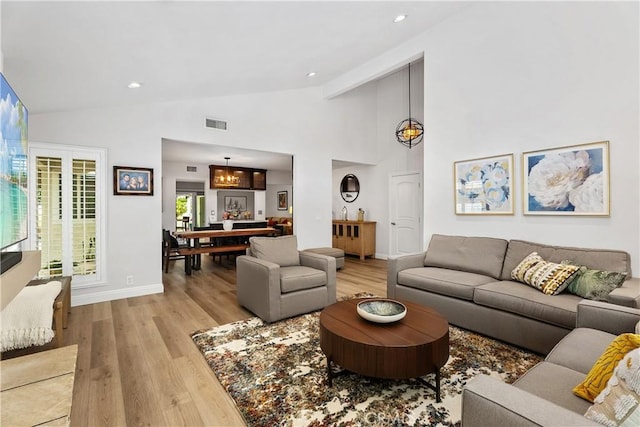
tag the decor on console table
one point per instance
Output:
(484, 186)
(132, 181)
(571, 180)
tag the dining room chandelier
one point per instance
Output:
(227, 179)
(409, 132)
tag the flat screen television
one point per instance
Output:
(13, 174)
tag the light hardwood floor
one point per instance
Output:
(137, 364)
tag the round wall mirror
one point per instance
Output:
(349, 188)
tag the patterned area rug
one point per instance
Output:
(276, 374)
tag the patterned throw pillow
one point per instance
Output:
(548, 277)
(525, 265)
(596, 284)
(602, 370)
(619, 403)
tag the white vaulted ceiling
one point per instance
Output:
(74, 55)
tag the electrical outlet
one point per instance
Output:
(129, 280)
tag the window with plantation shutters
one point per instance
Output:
(67, 202)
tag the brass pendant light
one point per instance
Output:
(227, 180)
(409, 132)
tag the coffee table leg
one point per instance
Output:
(329, 372)
(433, 387)
(438, 386)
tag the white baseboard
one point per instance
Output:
(115, 294)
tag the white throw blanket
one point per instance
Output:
(27, 319)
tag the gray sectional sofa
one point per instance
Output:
(543, 396)
(468, 280)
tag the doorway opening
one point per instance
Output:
(190, 205)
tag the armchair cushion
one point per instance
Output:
(298, 277)
(279, 250)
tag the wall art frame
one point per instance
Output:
(571, 180)
(132, 181)
(484, 186)
(235, 204)
(283, 200)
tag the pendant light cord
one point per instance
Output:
(410, 93)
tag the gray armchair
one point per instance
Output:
(276, 281)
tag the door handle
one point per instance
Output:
(393, 223)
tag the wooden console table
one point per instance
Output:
(37, 389)
(355, 237)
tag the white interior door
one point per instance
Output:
(405, 213)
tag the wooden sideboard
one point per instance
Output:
(355, 237)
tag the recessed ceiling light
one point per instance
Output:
(134, 85)
(399, 18)
(311, 73)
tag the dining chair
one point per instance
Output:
(170, 249)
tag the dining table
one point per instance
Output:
(220, 242)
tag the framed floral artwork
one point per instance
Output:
(572, 180)
(484, 186)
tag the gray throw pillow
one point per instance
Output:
(279, 250)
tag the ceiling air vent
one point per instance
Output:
(192, 169)
(215, 124)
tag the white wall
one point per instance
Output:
(514, 77)
(316, 130)
(278, 181)
(392, 106)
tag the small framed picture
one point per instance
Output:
(283, 202)
(572, 180)
(132, 181)
(484, 186)
(235, 204)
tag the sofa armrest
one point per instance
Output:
(628, 294)
(606, 317)
(487, 401)
(397, 263)
(325, 263)
(258, 286)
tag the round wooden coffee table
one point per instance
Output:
(413, 347)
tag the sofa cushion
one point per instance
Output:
(553, 383)
(595, 284)
(279, 250)
(454, 283)
(602, 370)
(591, 342)
(517, 298)
(548, 277)
(480, 255)
(601, 259)
(298, 277)
(619, 403)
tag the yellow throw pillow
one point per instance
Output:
(600, 373)
(545, 276)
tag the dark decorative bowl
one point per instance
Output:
(381, 310)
